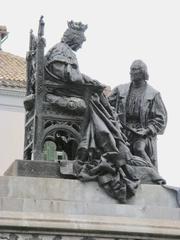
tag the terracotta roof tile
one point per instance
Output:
(12, 70)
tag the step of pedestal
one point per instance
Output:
(87, 208)
(74, 190)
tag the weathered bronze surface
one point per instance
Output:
(68, 110)
(141, 111)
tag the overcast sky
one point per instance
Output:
(119, 31)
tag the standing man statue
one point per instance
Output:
(141, 111)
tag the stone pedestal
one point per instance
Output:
(53, 209)
(29, 168)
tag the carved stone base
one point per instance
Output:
(36, 226)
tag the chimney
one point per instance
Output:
(3, 34)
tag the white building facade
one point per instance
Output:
(12, 92)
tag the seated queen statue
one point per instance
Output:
(103, 154)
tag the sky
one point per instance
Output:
(119, 31)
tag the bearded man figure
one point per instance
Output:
(141, 111)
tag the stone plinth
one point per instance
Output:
(54, 208)
(83, 193)
(61, 206)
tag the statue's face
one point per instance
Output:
(74, 39)
(77, 42)
(137, 73)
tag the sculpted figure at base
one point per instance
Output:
(141, 111)
(103, 154)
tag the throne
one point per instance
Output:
(53, 122)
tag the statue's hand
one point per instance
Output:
(143, 131)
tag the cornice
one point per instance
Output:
(12, 99)
(12, 92)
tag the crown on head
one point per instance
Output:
(77, 26)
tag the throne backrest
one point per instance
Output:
(50, 118)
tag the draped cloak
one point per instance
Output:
(102, 154)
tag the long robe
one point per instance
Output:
(152, 114)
